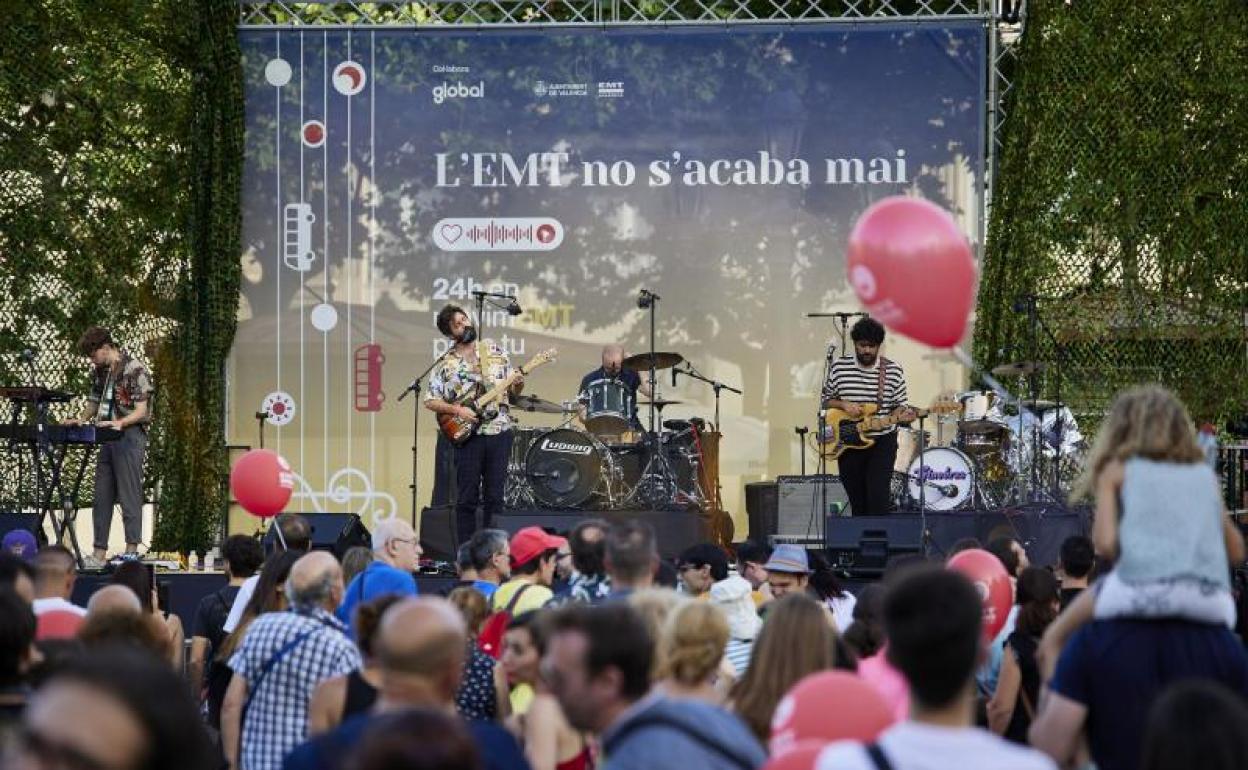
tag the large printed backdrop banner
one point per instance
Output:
(391, 172)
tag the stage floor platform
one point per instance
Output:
(675, 530)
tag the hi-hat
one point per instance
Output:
(641, 361)
(1019, 368)
(529, 403)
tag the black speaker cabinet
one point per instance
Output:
(336, 532)
(863, 545)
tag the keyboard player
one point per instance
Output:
(121, 387)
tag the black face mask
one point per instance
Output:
(469, 334)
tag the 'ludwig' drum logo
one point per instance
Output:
(566, 448)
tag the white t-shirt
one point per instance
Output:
(57, 603)
(240, 603)
(842, 608)
(914, 746)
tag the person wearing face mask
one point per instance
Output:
(868, 378)
(470, 369)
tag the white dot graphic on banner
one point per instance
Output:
(313, 133)
(324, 317)
(349, 78)
(280, 406)
(277, 72)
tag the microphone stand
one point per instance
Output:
(716, 386)
(414, 387)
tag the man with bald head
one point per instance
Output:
(420, 648)
(113, 598)
(281, 660)
(613, 372)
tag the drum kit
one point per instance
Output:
(611, 463)
(992, 452)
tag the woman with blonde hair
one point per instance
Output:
(692, 644)
(1159, 515)
(655, 605)
(797, 640)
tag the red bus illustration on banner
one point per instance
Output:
(367, 378)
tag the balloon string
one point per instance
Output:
(280, 537)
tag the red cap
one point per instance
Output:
(530, 543)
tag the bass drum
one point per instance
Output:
(947, 476)
(563, 467)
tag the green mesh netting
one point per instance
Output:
(1122, 200)
(120, 155)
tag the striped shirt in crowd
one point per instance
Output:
(850, 381)
(738, 653)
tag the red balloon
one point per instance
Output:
(262, 482)
(993, 584)
(828, 706)
(801, 757)
(912, 268)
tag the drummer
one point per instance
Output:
(613, 369)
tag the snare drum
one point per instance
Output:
(608, 407)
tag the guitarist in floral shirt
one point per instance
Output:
(470, 369)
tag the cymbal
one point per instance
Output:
(531, 403)
(659, 404)
(1019, 368)
(641, 361)
(36, 394)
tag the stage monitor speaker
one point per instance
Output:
(863, 545)
(336, 532)
(803, 502)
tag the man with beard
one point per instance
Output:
(868, 378)
(470, 369)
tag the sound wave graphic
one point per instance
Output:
(498, 234)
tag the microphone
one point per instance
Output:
(837, 315)
(675, 371)
(499, 295)
(514, 307)
(262, 415)
(470, 335)
(831, 352)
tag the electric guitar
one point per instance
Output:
(842, 432)
(459, 429)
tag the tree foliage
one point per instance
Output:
(1122, 201)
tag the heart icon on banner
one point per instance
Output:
(912, 267)
(451, 233)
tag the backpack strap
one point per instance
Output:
(254, 687)
(511, 604)
(657, 720)
(877, 757)
(879, 391)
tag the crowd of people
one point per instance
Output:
(566, 653)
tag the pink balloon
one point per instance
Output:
(828, 706)
(912, 268)
(801, 757)
(992, 582)
(262, 482)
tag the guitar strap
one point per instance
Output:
(879, 392)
